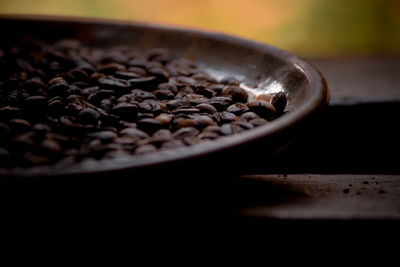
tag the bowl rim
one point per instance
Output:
(316, 100)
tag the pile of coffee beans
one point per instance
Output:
(65, 102)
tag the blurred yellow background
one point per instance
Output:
(310, 28)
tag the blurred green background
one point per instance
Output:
(310, 28)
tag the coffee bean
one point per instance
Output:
(58, 89)
(249, 116)
(182, 122)
(145, 149)
(150, 106)
(35, 104)
(149, 125)
(119, 86)
(164, 94)
(206, 108)
(168, 86)
(111, 68)
(146, 83)
(19, 125)
(258, 122)
(41, 129)
(173, 144)
(104, 136)
(186, 111)
(265, 97)
(203, 121)
(262, 108)
(140, 72)
(55, 107)
(220, 102)
(126, 75)
(186, 132)
(227, 116)
(177, 103)
(238, 94)
(165, 119)
(141, 95)
(238, 108)
(106, 104)
(89, 116)
(279, 101)
(134, 132)
(126, 111)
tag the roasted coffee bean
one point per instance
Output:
(5, 132)
(226, 129)
(99, 95)
(182, 122)
(186, 90)
(168, 86)
(203, 121)
(150, 106)
(149, 125)
(238, 94)
(145, 149)
(134, 132)
(104, 136)
(141, 95)
(158, 72)
(227, 116)
(106, 104)
(145, 116)
(249, 116)
(164, 94)
(89, 116)
(160, 137)
(262, 108)
(206, 108)
(165, 119)
(220, 102)
(35, 104)
(140, 72)
(265, 97)
(177, 103)
(118, 85)
(126, 111)
(186, 132)
(20, 125)
(208, 136)
(243, 124)
(279, 101)
(172, 144)
(230, 81)
(126, 75)
(146, 83)
(186, 111)
(258, 122)
(213, 129)
(55, 107)
(75, 88)
(195, 99)
(238, 108)
(89, 90)
(41, 129)
(111, 68)
(49, 147)
(58, 89)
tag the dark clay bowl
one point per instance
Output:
(256, 65)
